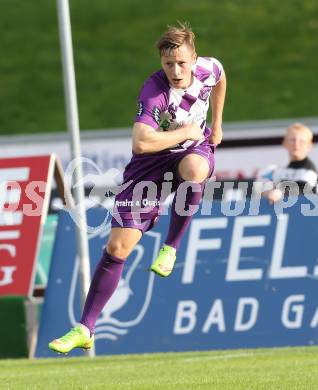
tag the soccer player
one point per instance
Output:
(173, 148)
(300, 170)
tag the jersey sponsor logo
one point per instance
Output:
(165, 121)
(140, 109)
(156, 114)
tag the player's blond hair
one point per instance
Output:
(174, 37)
(302, 128)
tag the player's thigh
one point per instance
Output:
(194, 167)
(122, 241)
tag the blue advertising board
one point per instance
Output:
(241, 281)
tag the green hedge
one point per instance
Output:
(13, 328)
(269, 50)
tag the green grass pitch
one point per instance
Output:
(284, 368)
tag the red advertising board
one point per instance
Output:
(25, 185)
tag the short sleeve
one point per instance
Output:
(217, 69)
(209, 68)
(151, 103)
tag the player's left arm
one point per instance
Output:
(217, 99)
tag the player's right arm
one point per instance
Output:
(146, 139)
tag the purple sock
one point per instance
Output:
(103, 285)
(179, 223)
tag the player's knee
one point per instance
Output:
(194, 168)
(194, 173)
(117, 249)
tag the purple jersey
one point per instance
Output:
(166, 108)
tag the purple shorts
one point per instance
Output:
(148, 180)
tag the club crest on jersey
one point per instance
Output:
(205, 92)
(140, 109)
(156, 114)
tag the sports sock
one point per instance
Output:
(103, 285)
(179, 223)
